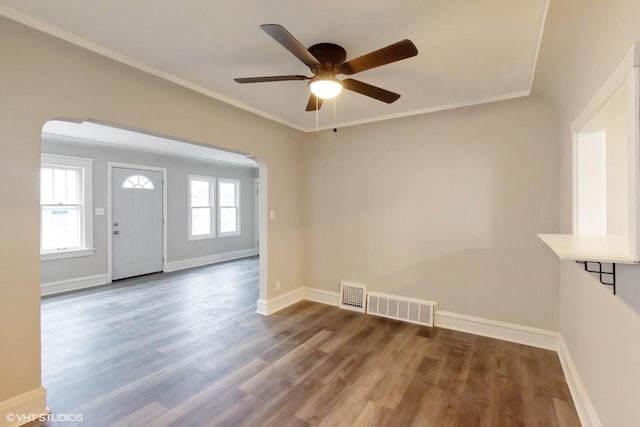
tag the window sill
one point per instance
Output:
(232, 234)
(201, 237)
(66, 254)
(590, 248)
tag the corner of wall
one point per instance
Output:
(23, 408)
(584, 406)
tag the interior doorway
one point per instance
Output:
(188, 230)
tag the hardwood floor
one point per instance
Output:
(188, 349)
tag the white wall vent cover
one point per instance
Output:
(353, 296)
(401, 308)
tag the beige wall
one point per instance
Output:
(584, 41)
(43, 78)
(443, 206)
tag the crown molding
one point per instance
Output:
(54, 31)
(111, 54)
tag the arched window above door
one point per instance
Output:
(139, 182)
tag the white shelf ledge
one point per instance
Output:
(614, 249)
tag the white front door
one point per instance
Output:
(137, 222)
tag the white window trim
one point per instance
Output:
(86, 167)
(212, 193)
(236, 182)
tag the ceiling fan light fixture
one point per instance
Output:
(326, 60)
(325, 87)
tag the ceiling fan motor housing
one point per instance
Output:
(329, 55)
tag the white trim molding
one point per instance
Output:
(464, 323)
(124, 59)
(444, 107)
(615, 80)
(535, 60)
(209, 259)
(77, 283)
(75, 253)
(321, 296)
(23, 408)
(267, 307)
(74, 284)
(512, 332)
(582, 401)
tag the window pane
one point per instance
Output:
(59, 186)
(148, 185)
(200, 193)
(61, 227)
(46, 186)
(228, 220)
(200, 221)
(73, 187)
(227, 194)
(138, 182)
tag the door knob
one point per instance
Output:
(116, 232)
(115, 224)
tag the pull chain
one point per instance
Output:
(317, 132)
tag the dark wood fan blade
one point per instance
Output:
(270, 79)
(311, 104)
(284, 37)
(369, 90)
(396, 52)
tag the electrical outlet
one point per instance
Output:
(272, 214)
(277, 285)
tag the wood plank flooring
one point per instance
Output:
(188, 349)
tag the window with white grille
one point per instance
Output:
(228, 207)
(201, 207)
(66, 225)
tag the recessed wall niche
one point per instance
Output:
(606, 176)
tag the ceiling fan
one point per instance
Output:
(326, 60)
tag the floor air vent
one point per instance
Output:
(353, 296)
(400, 308)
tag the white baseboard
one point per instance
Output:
(23, 408)
(52, 288)
(512, 332)
(209, 259)
(584, 406)
(73, 284)
(321, 296)
(267, 307)
(464, 323)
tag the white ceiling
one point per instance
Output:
(470, 51)
(96, 133)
